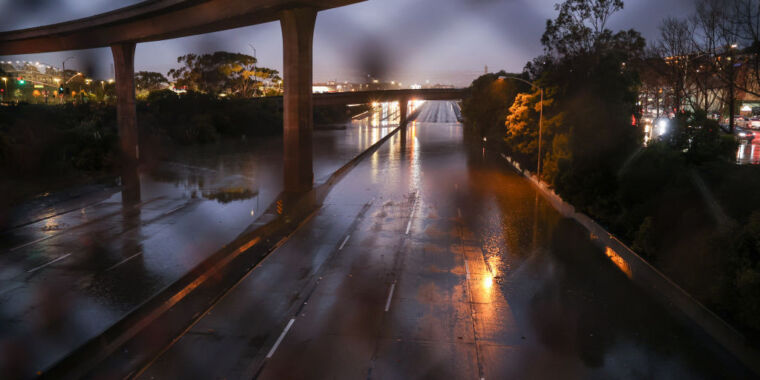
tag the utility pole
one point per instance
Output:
(254, 69)
(63, 75)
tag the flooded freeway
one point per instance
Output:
(74, 263)
(434, 259)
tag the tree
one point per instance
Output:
(522, 126)
(233, 74)
(578, 26)
(741, 29)
(716, 30)
(486, 107)
(676, 49)
(590, 77)
(653, 81)
(150, 81)
(522, 122)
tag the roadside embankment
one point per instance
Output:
(652, 280)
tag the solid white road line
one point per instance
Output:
(48, 263)
(411, 214)
(344, 242)
(175, 209)
(390, 295)
(466, 269)
(124, 261)
(279, 340)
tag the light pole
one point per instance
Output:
(63, 67)
(72, 77)
(254, 69)
(63, 75)
(540, 119)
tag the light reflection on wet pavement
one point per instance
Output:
(72, 268)
(432, 259)
(749, 153)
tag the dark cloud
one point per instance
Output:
(380, 38)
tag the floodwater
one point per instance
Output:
(748, 153)
(74, 263)
(434, 259)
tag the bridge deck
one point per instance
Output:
(388, 95)
(152, 20)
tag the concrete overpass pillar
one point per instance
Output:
(297, 38)
(403, 105)
(126, 116)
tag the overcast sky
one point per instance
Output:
(444, 41)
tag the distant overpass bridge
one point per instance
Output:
(388, 95)
(155, 20)
(402, 96)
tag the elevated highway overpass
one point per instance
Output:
(402, 96)
(155, 20)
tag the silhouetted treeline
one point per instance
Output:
(58, 140)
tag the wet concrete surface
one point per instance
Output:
(74, 263)
(748, 153)
(432, 259)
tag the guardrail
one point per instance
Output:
(652, 280)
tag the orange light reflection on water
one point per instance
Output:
(619, 262)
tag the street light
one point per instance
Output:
(72, 77)
(254, 69)
(63, 67)
(540, 119)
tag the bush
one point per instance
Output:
(701, 139)
(741, 288)
(55, 140)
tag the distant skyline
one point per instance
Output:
(409, 41)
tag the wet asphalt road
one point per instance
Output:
(76, 263)
(432, 259)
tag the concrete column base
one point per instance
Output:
(126, 116)
(297, 37)
(403, 108)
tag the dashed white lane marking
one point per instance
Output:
(33, 242)
(466, 269)
(279, 340)
(124, 261)
(48, 263)
(344, 242)
(62, 232)
(390, 296)
(459, 212)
